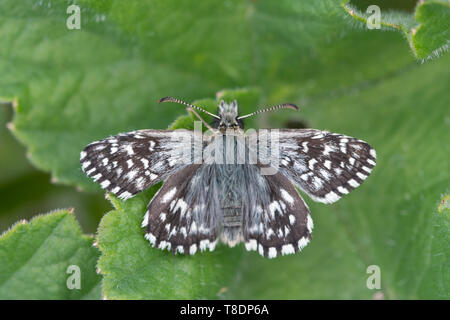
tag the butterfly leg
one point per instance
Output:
(189, 109)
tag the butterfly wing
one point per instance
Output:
(128, 163)
(324, 165)
(183, 216)
(280, 224)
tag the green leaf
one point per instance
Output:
(36, 256)
(427, 31)
(432, 36)
(74, 87)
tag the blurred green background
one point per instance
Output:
(390, 87)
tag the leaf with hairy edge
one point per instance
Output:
(427, 31)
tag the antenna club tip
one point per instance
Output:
(293, 106)
(164, 99)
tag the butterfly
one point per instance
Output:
(220, 186)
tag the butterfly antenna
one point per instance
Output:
(277, 107)
(171, 99)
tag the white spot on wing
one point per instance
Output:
(274, 206)
(286, 196)
(145, 221)
(164, 244)
(100, 147)
(261, 250)
(272, 252)
(144, 162)
(302, 243)
(179, 249)
(318, 136)
(115, 190)
(204, 244)
(131, 174)
(361, 176)
(305, 146)
(169, 195)
(317, 183)
(125, 195)
(366, 169)
(353, 183)
(287, 249)
(342, 190)
(85, 164)
(309, 223)
(311, 164)
(150, 237)
(291, 219)
(327, 149)
(331, 197)
(105, 184)
(129, 150)
(193, 228)
(130, 163)
(251, 245)
(325, 174)
(140, 182)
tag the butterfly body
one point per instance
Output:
(217, 186)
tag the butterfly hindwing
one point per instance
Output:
(128, 163)
(281, 226)
(178, 221)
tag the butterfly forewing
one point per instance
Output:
(324, 165)
(128, 163)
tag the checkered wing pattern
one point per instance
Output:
(324, 165)
(128, 163)
(281, 226)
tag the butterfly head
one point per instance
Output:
(228, 117)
